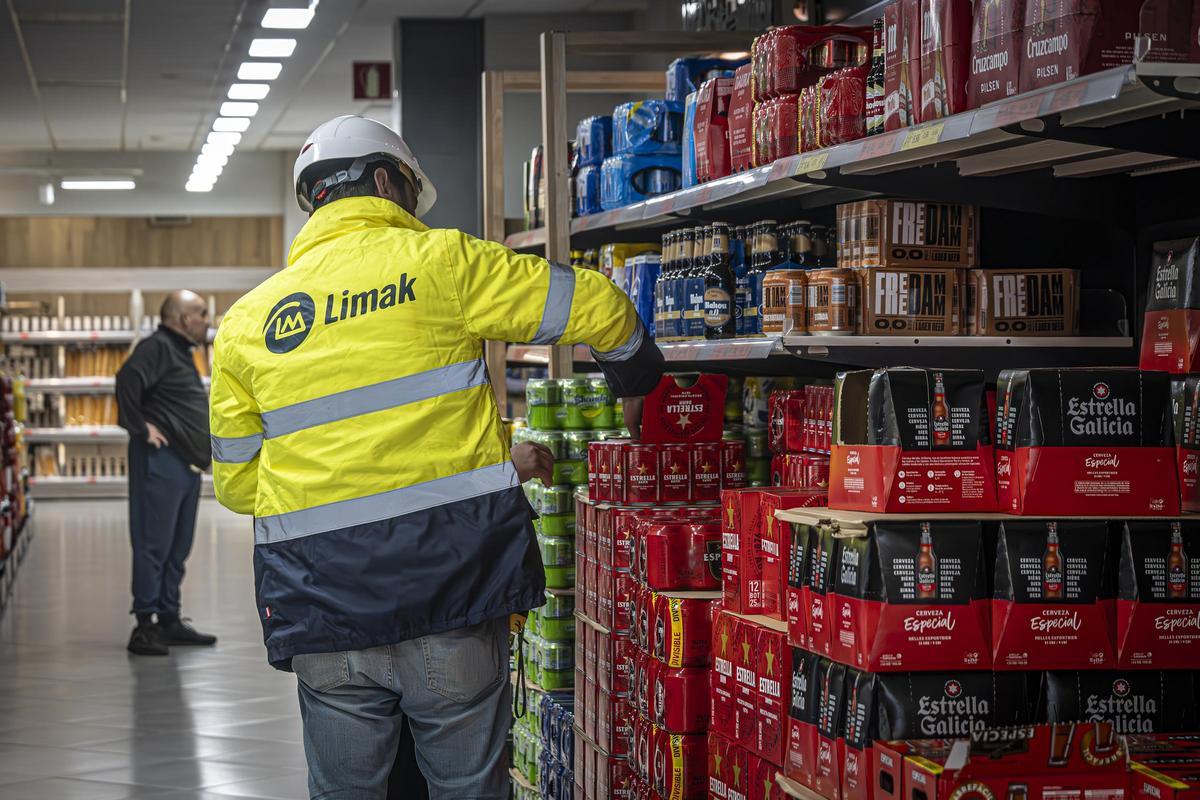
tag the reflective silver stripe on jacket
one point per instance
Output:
(235, 449)
(625, 351)
(375, 397)
(557, 312)
(385, 505)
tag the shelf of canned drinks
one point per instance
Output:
(1058, 127)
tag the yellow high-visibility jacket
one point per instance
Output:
(352, 415)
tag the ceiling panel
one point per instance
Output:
(74, 52)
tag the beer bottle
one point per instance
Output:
(1177, 566)
(660, 325)
(1052, 565)
(941, 414)
(694, 281)
(926, 565)
(802, 246)
(719, 287)
(687, 243)
(875, 83)
(737, 253)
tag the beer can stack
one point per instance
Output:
(556, 747)
(801, 421)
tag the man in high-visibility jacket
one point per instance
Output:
(352, 415)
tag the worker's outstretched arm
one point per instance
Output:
(236, 429)
(520, 298)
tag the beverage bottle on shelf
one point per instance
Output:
(764, 258)
(941, 413)
(683, 266)
(660, 286)
(802, 245)
(1177, 566)
(1052, 565)
(719, 286)
(875, 94)
(737, 257)
(926, 565)
(694, 284)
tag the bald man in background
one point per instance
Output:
(162, 403)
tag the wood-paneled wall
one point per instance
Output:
(137, 242)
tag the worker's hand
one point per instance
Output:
(154, 436)
(533, 460)
(632, 407)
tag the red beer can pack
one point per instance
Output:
(683, 631)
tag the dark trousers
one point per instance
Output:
(164, 492)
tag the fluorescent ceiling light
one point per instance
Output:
(216, 149)
(239, 109)
(259, 70)
(249, 91)
(205, 172)
(224, 138)
(230, 124)
(272, 48)
(291, 18)
(194, 185)
(215, 159)
(110, 184)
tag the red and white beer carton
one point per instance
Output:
(763, 785)
(923, 705)
(798, 596)
(680, 770)
(911, 596)
(1034, 761)
(1085, 441)
(675, 412)
(800, 760)
(711, 129)
(1052, 606)
(831, 729)
(775, 540)
(995, 51)
(738, 762)
(902, 60)
(719, 766)
(1158, 605)
(945, 57)
(862, 729)
(741, 113)
(683, 631)
(1134, 701)
(1064, 40)
(745, 695)
(723, 688)
(911, 440)
(1171, 325)
(774, 669)
(680, 702)
(741, 562)
(823, 553)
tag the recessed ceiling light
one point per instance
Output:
(272, 48)
(235, 124)
(239, 109)
(215, 148)
(215, 159)
(110, 184)
(249, 91)
(224, 138)
(259, 70)
(194, 185)
(292, 18)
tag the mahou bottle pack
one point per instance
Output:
(1171, 326)
(1052, 606)
(1158, 601)
(911, 440)
(1085, 441)
(911, 596)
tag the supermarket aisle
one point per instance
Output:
(80, 718)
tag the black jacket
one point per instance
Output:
(159, 384)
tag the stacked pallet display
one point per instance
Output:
(14, 469)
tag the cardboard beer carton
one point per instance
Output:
(719, 766)
(679, 410)
(830, 729)
(1185, 411)
(745, 686)
(1134, 701)
(945, 57)
(911, 301)
(800, 759)
(774, 541)
(774, 670)
(711, 129)
(822, 558)
(1085, 441)
(1171, 325)
(762, 780)
(862, 729)
(1158, 599)
(723, 682)
(995, 51)
(902, 64)
(927, 705)
(1022, 302)
(741, 125)
(1052, 607)
(907, 234)
(911, 440)
(1075, 759)
(1151, 784)
(797, 593)
(911, 596)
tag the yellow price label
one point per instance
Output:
(811, 163)
(919, 137)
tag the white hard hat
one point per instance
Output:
(354, 138)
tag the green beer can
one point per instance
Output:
(543, 402)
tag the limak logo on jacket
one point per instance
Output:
(293, 317)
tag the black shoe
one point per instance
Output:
(178, 632)
(147, 640)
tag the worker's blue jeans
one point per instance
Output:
(452, 688)
(164, 492)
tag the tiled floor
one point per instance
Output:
(80, 718)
